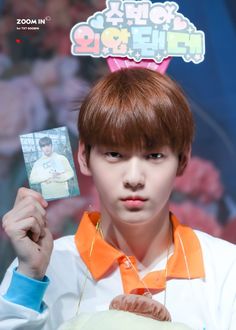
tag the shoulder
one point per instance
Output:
(59, 156)
(38, 161)
(217, 253)
(215, 244)
(219, 257)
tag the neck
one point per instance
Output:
(147, 242)
(48, 156)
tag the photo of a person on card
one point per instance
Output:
(52, 171)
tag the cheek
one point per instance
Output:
(104, 179)
(165, 178)
(102, 183)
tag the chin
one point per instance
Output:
(135, 217)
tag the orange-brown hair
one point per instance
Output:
(136, 108)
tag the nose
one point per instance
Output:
(134, 177)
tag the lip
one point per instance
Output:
(134, 198)
(134, 201)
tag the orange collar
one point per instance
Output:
(187, 264)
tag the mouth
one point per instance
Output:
(134, 201)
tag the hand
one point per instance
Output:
(27, 229)
(56, 175)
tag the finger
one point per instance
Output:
(25, 192)
(42, 212)
(34, 206)
(46, 242)
(27, 208)
(30, 211)
(34, 230)
(28, 227)
(29, 200)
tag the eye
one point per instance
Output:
(155, 156)
(112, 155)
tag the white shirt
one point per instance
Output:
(202, 303)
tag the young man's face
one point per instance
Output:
(47, 150)
(132, 186)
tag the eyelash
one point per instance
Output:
(116, 155)
(113, 154)
(157, 155)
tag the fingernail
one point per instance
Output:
(45, 203)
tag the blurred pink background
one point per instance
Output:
(40, 86)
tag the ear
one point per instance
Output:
(183, 161)
(84, 168)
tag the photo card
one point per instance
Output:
(49, 163)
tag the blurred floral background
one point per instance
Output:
(41, 85)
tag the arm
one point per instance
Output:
(38, 174)
(21, 305)
(27, 229)
(16, 317)
(68, 171)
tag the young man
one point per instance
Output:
(135, 136)
(52, 171)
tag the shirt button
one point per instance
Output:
(147, 294)
(127, 264)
